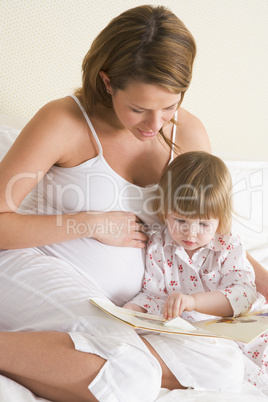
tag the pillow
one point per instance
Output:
(13, 121)
(250, 196)
(7, 137)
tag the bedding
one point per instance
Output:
(250, 180)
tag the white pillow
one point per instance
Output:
(7, 137)
(13, 121)
(250, 196)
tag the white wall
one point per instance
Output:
(43, 43)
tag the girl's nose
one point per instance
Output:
(193, 229)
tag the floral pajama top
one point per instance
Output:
(219, 266)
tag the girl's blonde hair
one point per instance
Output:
(148, 44)
(198, 185)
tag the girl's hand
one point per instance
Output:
(122, 229)
(176, 304)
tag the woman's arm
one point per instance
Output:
(261, 276)
(48, 139)
(191, 133)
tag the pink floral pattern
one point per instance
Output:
(221, 266)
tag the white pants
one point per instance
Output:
(199, 362)
(38, 292)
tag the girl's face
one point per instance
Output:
(143, 109)
(191, 234)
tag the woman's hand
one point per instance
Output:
(122, 229)
(177, 303)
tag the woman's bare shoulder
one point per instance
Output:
(59, 113)
(39, 146)
(59, 123)
(191, 133)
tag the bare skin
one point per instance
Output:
(63, 373)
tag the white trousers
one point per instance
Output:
(39, 292)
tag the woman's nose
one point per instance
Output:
(154, 121)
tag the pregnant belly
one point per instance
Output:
(116, 271)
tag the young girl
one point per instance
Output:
(195, 265)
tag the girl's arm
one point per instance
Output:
(213, 303)
(48, 139)
(237, 278)
(233, 292)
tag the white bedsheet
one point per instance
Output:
(251, 200)
(10, 391)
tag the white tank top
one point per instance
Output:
(94, 186)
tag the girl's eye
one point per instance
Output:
(180, 220)
(204, 224)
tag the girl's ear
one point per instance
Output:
(106, 81)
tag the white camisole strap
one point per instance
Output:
(96, 136)
(173, 139)
(89, 123)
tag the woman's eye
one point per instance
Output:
(171, 107)
(137, 111)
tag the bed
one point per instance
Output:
(250, 193)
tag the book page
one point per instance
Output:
(147, 321)
(244, 328)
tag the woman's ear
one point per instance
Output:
(106, 81)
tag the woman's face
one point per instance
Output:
(143, 109)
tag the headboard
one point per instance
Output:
(44, 42)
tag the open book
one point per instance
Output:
(244, 328)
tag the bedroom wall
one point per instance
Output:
(43, 44)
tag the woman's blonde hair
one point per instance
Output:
(198, 185)
(148, 44)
